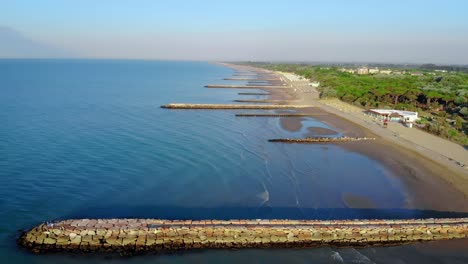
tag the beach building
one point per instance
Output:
(347, 70)
(363, 70)
(416, 74)
(314, 84)
(386, 72)
(406, 117)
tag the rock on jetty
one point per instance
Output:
(231, 106)
(132, 236)
(320, 139)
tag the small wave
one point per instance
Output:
(264, 196)
(336, 257)
(358, 257)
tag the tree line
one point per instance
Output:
(440, 98)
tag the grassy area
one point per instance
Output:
(441, 98)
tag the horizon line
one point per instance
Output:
(235, 61)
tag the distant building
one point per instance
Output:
(374, 71)
(347, 70)
(406, 117)
(416, 74)
(363, 70)
(386, 72)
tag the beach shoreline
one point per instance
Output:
(430, 182)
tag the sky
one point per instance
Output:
(397, 31)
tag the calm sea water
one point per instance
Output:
(86, 138)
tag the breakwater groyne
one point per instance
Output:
(130, 236)
(246, 86)
(254, 93)
(277, 115)
(250, 79)
(231, 106)
(320, 139)
(263, 101)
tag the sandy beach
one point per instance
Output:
(428, 166)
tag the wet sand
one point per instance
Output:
(321, 131)
(291, 124)
(294, 124)
(424, 179)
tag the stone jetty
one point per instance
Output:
(320, 139)
(250, 79)
(246, 86)
(254, 93)
(133, 236)
(264, 101)
(231, 106)
(277, 115)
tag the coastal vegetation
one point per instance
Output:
(439, 96)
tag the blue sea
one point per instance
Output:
(87, 138)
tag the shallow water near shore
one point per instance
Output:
(86, 138)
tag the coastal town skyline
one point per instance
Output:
(329, 31)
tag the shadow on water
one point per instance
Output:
(226, 213)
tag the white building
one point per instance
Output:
(374, 71)
(347, 70)
(386, 72)
(406, 117)
(363, 70)
(314, 84)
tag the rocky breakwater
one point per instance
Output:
(320, 139)
(231, 106)
(247, 86)
(133, 236)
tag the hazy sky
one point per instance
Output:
(327, 30)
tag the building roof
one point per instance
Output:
(392, 111)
